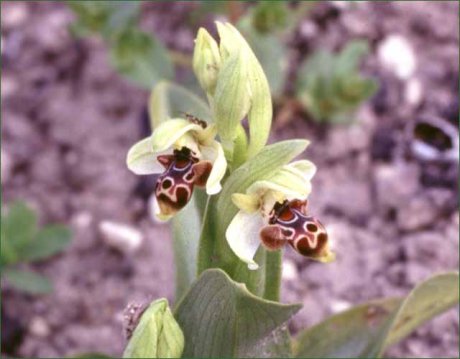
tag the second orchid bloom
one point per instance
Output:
(186, 154)
(274, 212)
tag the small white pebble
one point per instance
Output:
(6, 166)
(121, 237)
(413, 92)
(290, 271)
(14, 15)
(39, 327)
(82, 219)
(397, 55)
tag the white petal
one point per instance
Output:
(168, 132)
(215, 154)
(243, 236)
(141, 158)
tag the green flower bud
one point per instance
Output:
(154, 333)
(206, 61)
(237, 88)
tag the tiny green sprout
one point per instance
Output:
(330, 86)
(23, 242)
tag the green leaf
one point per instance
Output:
(270, 16)
(141, 58)
(157, 334)
(186, 230)
(331, 87)
(426, 301)
(214, 250)
(27, 281)
(220, 318)
(49, 241)
(105, 17)
(91, 356)
(19, 226)
(169, 100)
(366, 330)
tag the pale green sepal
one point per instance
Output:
(245, 202)
(142, 159)
(232, 98)
(215, 154)
(157, 334)
(306, 168)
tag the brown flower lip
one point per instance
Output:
(290, 224)
(175, 185)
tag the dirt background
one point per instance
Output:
(68, 120)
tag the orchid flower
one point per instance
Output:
(273, 212)
(185, 153)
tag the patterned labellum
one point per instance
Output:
(174, 187)
(289, 223)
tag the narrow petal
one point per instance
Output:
(141, 158)
(246, 202)
(168, 132)
(215, 154)
(243, 236)
(207, 135)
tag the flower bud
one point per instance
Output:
(153, 332)
(206, 61)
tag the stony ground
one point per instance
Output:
(68, 120)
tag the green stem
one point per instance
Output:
(273, 267)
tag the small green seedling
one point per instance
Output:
(330, 86)
(24, 242)
(135, 54)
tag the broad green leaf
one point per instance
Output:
(214, 250)
(169, 100)
(366, 330)
(427, 300)
(357, 333)
(49, 241)
(19, 226)
(141, 58)
(157, 334)
(220, 318)
(27, 281)
(186, 229)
